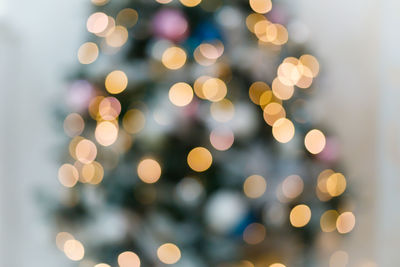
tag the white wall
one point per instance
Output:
(38, 43)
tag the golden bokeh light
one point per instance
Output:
(127, 17)
(133, 121)
(106, 133)
(300, 215)
(254, 186)
(292, 186)
(222, 138)
(277, 265)
(328, 221)
(116, 82)
(222, 111)
(74, 250)
(74, 125)
(256, 90)
(190, 3)
(109, 29)
(86, 151)
(214, 89)
(109, 108)
(345, 222)
(254, 234)
(282, 91)
(198, 86)
(99, 2)
(315, 141)
(273, 112)
(283, 130)
(72, 145)
(149, 170)
(252, 20)
(128, 259)
(164, 1)
(168, 253)
(311, 63)
(68, 175)
(261, 6)
(102, 265)
(199, 159)
(88, 53)
(180, 94)
(61, 238)
(174, 58)
(117, 37)
(92, 173)
(336, 184)
(97, 22)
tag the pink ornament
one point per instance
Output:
(170, 24)
(79, 95)
(331, 151)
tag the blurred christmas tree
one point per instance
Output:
(191, 140)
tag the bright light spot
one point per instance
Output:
(254, 186)
(128, 259)
(311, 63)
(277, 265)
(68, 175)
(92, 173)
(102, 265)
(222, 138)
(74, 125)
(300, 215)
(222, 111)
(127, 17)
(328, 221)
(169, 253)
(345, 222)
(174, 58)
(214, 89)
(164, 1)
(97, 22)
(190, 3)
(116, 82)
(199, 159)
(256, 90)
(88, 53)
(273, 112)
(106, 133)
(283, 130)
(336, 184)
(282, 91)
(181, 94)
(315, 141)
(149, 171)
(292, 186)
(74, 250)
(261, 6)
(109, 108)
(61, 238)
(86, 151)
(117, 37)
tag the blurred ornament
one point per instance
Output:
(79, 95)
(170, 24)
(225, 210)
